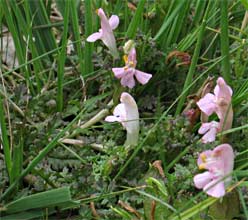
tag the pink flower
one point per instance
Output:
(106, 32)
(127, 73)
(209, 130)
(127, 114)
(220, 103)
(219, 165)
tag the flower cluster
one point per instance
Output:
(127, 112)
(219, 161)
(126, 73)
(219, 103)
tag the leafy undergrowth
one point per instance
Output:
(58, 163)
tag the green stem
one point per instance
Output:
(132, 138)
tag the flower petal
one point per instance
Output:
(201, 180)
(210, 129)
(119, 72)
(114, 21)
(132, 123)
(120, 112)
(107, 34)
(204, 128)
(215, 188)
(104, 21)
(207, 104)
(222, 90)
(204, 156)
(224, 152)
(93, 37)
(142, 77)
(132, 56)
(209, 136)
(132, 113)
(111, 118)
(128, 81)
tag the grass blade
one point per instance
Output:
(169, 20)
(224, 41)
(62, 57)
(17, 159)
(40, 213)
(5, 140)
(194, 59)
(44, 38)
(25, 24)
(88, 65)
(20, 51)
(132, 28)
(195, 209)
(76, 34)
(39, 200)
(199, 9)
(177, 25)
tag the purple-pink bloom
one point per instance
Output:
(220, 103)
(128, 115)
(209, 129)
(106, 32)
(127, 73)
(219, 165)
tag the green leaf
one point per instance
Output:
(159, 185)
(194, 210)
(156, 188)
(125, 215)
(226, 209)
(24, 215)
(40, 200)
(40, 213)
